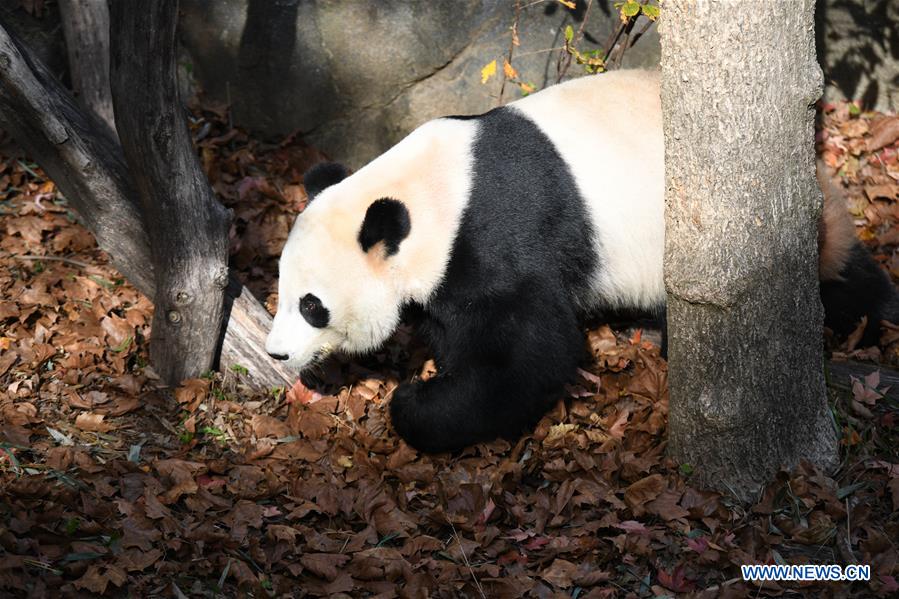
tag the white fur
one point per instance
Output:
(429, 171)
(608, 129)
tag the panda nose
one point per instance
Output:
(278, 356)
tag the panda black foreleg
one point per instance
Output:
(502, 366)
(863, 289)
(445, 413)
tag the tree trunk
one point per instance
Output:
(85, 24)
(78, 152)
(87, 165)
(188, 228)
(746, 382)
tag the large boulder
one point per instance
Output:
(355, 78)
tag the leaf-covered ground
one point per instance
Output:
(111, 484)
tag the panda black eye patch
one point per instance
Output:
(313, 311)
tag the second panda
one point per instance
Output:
(506, 228)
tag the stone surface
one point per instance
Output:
(858, 47)
(357, 78)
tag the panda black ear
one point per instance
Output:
(322, 176)
(386, 220)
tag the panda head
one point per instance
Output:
(336, 290)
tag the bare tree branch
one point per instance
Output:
(79, 153)
(85, 24)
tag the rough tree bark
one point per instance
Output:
(78, 153)
(84, 160)
(85, 24)
(188, 228)
(744, 315)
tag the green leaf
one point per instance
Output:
(569, 33)
(651, 11)
(125, 344)
(72, 525)
(686, 469)
(242, 370)
(212, 431)
(630, 9)
(102, 282)
(854, 110)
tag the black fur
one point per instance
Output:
(322, 176)
(503, 324)
(865, 290)
(313, 312)
(386, 220)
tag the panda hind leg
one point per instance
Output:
(445, 413)
(496, 379)
(862, 289)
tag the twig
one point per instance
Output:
(512, 40)
(556, 49)
(642, 31)
(560, 72)
(629, 41)
(534, 3)
(83, 265)
(616, 62)
(848, 527)
(613, 39)
(477, 583)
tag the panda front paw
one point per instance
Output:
(439, 415)
(403, 410)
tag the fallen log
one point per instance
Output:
(839, 376)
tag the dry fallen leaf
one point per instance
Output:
(89, 421)
(263, 493)
(884, 132)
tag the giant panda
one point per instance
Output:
(506, 229)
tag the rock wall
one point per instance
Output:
(355, 78)
(858, 46)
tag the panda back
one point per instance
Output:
(525, 222)
(607, 129)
